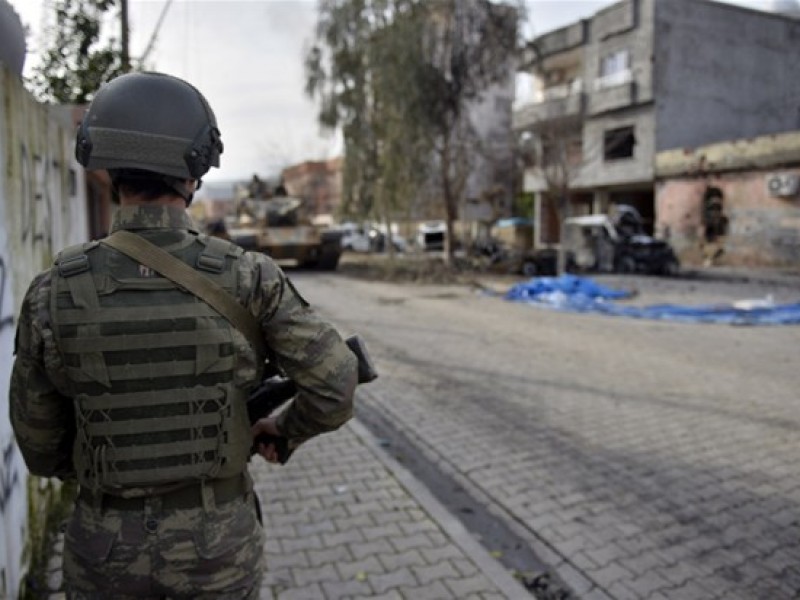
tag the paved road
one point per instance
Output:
(640, 459)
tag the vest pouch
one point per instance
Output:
(141, 439)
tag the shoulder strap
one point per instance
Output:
(161, 261)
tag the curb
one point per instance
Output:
(494, 571)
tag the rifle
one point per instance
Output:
(276, 389)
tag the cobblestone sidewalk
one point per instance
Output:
(345, 520)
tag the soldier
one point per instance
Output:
(137, 388)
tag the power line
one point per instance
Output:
(154, 35)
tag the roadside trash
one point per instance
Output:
(340, 489)
(581, 294)
(750, 304)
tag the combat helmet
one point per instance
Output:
(150, 123)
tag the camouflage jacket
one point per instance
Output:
(308, 349)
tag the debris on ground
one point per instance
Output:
(582, 294)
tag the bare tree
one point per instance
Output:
(397, 76)
(471, 44)
(556, 152)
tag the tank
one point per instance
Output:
(281, 227)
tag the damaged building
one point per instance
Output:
(614, 95)
(732, 202)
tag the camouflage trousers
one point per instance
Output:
(183, 553)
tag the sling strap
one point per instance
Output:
(161, 261)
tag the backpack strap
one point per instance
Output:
(161, 261)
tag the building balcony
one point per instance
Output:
(555, 42)
(554, 103)
(615, 19)
(612, 93)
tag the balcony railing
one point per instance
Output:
(557, 92)
(612, 97)
(562, 39)
(613, 79)
(555, 103)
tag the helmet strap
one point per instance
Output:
(180, 188)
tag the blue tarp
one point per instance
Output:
(582, 294)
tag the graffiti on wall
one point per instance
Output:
(5, 320)
(38, 175)
(9, 476)
(42, 208)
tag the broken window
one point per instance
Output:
(714, 219)
(618, 143)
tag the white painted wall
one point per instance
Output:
(42, 209)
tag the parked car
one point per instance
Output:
(431, 235)
(355, 238)
(367, 238)
(618, 244)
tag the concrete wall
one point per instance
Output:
(599, 172)
(42, 208)
(633, 30)
(723, 72)
(763, 225)
(611, 31)
(763, 230)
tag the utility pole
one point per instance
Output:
(125, 55)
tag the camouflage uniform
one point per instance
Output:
(188, 542)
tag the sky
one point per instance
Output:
(246, 57)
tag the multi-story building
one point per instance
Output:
(641, 77)
(318, 183)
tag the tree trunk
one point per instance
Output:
(451, 210)
(564, 210)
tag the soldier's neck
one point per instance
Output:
(174, 201)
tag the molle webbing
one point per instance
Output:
(211, 260)
(152, 369)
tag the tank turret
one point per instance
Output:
(279, 225)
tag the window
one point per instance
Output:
(615, 62)
(615, 69)
(618, 143)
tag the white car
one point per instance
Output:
(431, 235)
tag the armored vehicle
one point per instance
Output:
(280, 227)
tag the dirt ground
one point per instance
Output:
(690, 286)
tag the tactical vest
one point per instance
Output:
(159, 378)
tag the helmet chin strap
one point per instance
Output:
(180, 188)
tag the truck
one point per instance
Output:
(279, 225)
